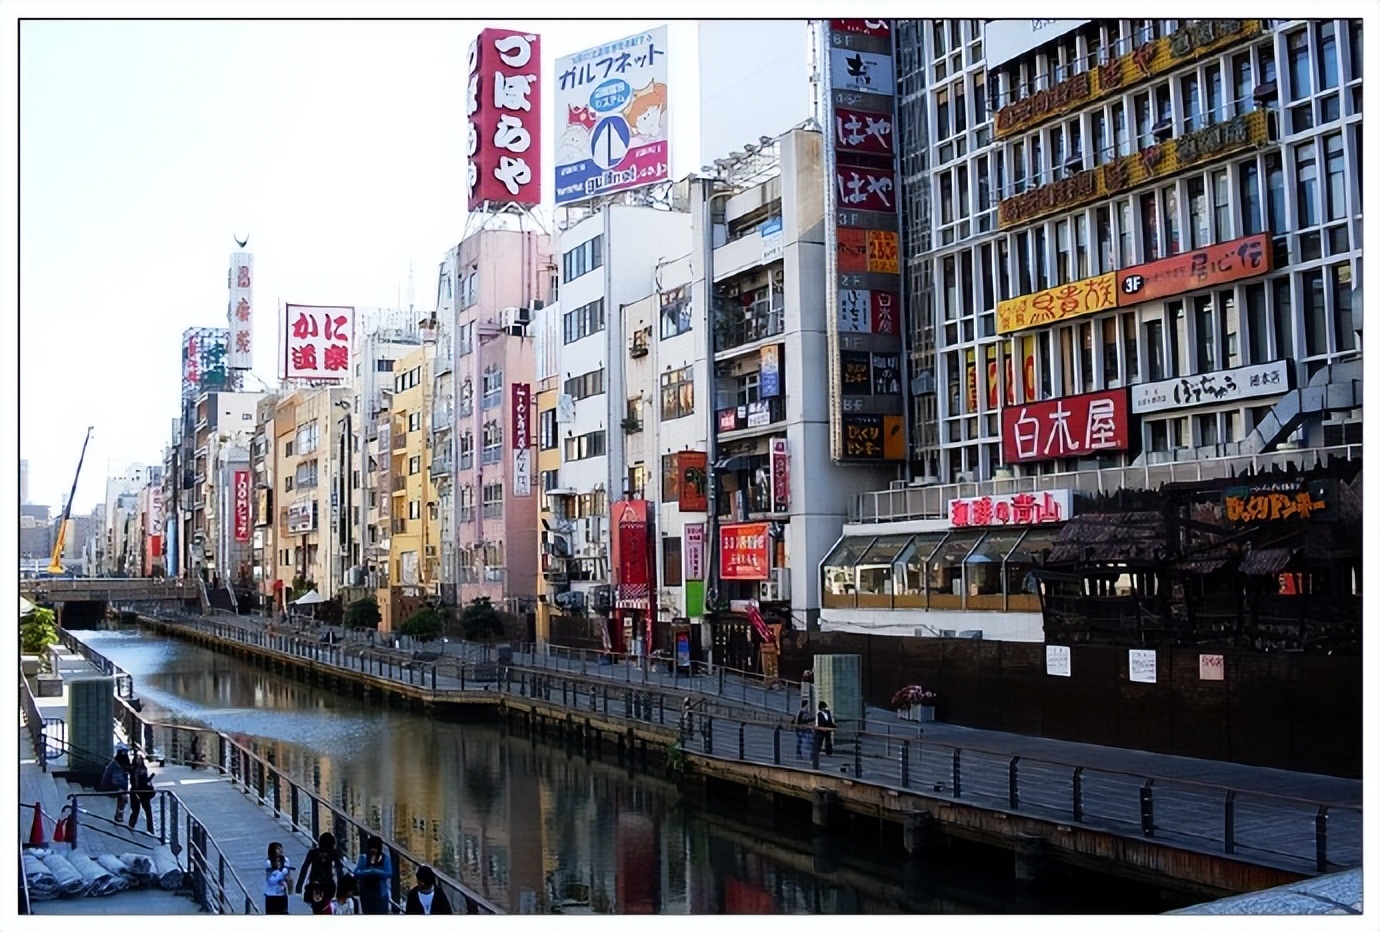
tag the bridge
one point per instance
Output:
(82, 601)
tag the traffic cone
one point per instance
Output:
(36, 830)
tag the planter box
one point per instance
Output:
(917, 713)
(28, 663)
(49, 685)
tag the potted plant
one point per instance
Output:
(914, 703)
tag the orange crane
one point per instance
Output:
(55, 564)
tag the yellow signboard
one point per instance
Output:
(1059, 303)
(1161, 161)
(1188, 43)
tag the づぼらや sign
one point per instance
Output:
(503, 107)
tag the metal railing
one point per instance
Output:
(919, 502)
(124, 682)
(33, 719)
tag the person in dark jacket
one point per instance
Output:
(116, 778)
(141, 792)
(375, 876)
(824, 720)
(427, 899)
(323, 865)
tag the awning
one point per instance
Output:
(310, 598)
(1202, 566)
(1266, 562)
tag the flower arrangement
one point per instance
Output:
(909, 696)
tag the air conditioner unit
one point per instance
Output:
(602, 598)
(782, 577)
(515, 320)
(570, 601)
(431, 550)
(768, 592)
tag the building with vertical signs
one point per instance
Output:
(1132, 257)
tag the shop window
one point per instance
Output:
(874, 571)
(945, 575)
(983, 577)
(840, 579)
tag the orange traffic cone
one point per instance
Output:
(36, 831)
(60, 832)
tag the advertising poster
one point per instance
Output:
(692, 551)
(1142, 666)
(770, 385)
(317, 342)
(243, 521)
(693, 469)
(1058, 660)
(743, 551)
(611, 118)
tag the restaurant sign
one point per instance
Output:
(1072, 299)
(1229, 385)
(1019, 509)
(743, 551)
(1079, 425)
(1280, 500)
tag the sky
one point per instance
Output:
(337, 147)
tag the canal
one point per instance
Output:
(540, 828)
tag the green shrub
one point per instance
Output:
(37, 630)
(480, 620)
(363, 613)
(425, 624)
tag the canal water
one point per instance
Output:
(539, 828)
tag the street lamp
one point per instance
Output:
(343, 489)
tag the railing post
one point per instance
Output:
(776, 746)
(1147, 810)
(1078, 794)
(1320, 829)
(905, 765)
(1229, 823)
(742, 740)
(1013, 788)
(709, 734)
(857, 756)
(957, 774)
(296, 807)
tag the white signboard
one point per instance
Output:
(1005, 39)
(869, 72)
(1211, 667)
(317, 342)
(240, 313)
(771, 240)
(1230, 385)
(522, 472)
(693, 551)
(300, 519)
(1058, 660)
(1142, 666)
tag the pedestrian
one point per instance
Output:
(375, 874)
(426, 899)
(346, 903)
(321, 905)
(804, 719)
(115, 779)
(141, 792)
(277, 880)
(323, 865)
(825, 722)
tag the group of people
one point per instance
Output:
(128, 777)
(329, 887)
(812, 726)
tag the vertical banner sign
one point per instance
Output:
(780, 476)
(611, 118)
(191, 368)
(240, 313)
(693, 467)
(522, 439)
(317, 342)
(693, 551)
(242, 512)
(770, 383)
(630, 530)
(503, 106)
(867, 390)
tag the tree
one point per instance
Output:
(480, 620)
(37, 630)
(363, 613)
(425, 624)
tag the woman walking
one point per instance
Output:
(277, 879)
(375, 874)
(141, 792)
(323, 865)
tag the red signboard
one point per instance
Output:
(743, 551)
(503, 104)
(1080, 425)
(242, 509)
(780, 476)
(693, 467)
(866, 27)
(862, 131)
(630, 551)
(522, 415)
(865, 188)
(1212, 265)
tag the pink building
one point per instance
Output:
(483, 419)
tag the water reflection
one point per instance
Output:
(538, 828)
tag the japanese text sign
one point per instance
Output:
(522, 472)
(862, 131)
(503, 106)
(1058, 660)
(866, 72)
(780, 475)
(1079, 425)
(1212, 265)
(522, 415)
(743, 551)
(1269, 378)
(693, 467)
(866, 188)
(1073, 299)
(874, 437)
(1277, 501)
(865, 27)
(241, 503)
(865, 311)
(1141, 666)
(1018, 509)
(317, 342)
(1211, 667)
(693, 551)
(611, 118)
(240, 313)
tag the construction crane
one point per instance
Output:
(55, 564)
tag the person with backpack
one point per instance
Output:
(804, 719)
(324, 865)
(116, 779)
(824, 721)
(141, 792)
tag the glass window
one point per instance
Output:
(1336, 185)
(1198, 230)
(1259, 324)
(1341, 300)
(1217, 106)
(1154, 349)
(1230, 323)
(1128, 333)
(1099, 136)
(1221, 208)
(1249, 177)
(1300, 78)
(1206, 333)
(1306, 163)
(875, 566)
(1283, 315)
(1061, 246)
(1173, 242)
(1178, 338)
(983, 565)
(1120, 130)
(1031, 551)
(1085, 355)
(1041, 260)
(946, 564)
(1242, 84)
(1193, 111)
(1327, 54)
(1145, 120)
(1126, 233)
(1081, 255)
(1357, 48)
(1314, 314)
(1274, 182)
(839, 577)
(1111, 368)
(1149, 225)
(1106, 261)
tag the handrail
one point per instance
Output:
(33, 718)
(24, 908)
(124, 682)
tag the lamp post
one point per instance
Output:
(343, 488)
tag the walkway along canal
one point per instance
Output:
(1200, 827)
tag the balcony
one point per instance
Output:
(399, 484)
(445, 359)
(491, 456)
(466, 461)
(493, 510)
(399, 525)
(762, 413)
(443, 413)
(399, 439)
(735, 325)
(440, 466)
